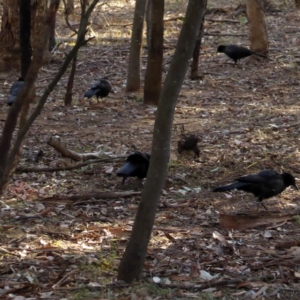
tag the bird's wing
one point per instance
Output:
(262, 177)
(138, 156)
(127, 170)
(251, 179)
(16, 87)
(96, 85)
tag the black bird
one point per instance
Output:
(187, 143)
(101, 89)
(14, 91)
(136, 165)
(265, 184)
(237, 52)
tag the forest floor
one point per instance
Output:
(204, 245)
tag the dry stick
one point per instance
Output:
(224, 20)
(214, 284)
(224, 34)
(56, 285)
(55, 143)
(78, 166)
(100, 195)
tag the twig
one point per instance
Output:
(78, 166)
(213, 284)
(224, 34)
(223, 20)
(100, 195)
(56, 285)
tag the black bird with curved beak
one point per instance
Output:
(100, 89)
(237, 52)
(264, 185)
(136, 165)
(14, 91)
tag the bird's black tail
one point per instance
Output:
(127, 169)
(230, 187)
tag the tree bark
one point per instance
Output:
(196, 53)
(297, 3)
(153, 76)
(10, 36)
(133, 75)
(10, 52)
(40, 10)
(69, 92)
(25, 33)
(133, 259)
(257, 26)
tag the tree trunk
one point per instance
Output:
(10, 51)
(10, 36)
(133, 259)
(196, 53)
(297, 3)
(25, 33)
(153, 75)
(257, 26)
(148, 21)
(52, 39)
(40, 10)
(133, 74)
(69, 92)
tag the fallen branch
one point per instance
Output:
(224, 34)
(55, 143)
(213, 284)
(78, 166)
(223, 20)
(100, 195)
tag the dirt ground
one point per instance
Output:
(204, 245)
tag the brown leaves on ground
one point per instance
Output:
(54, 245)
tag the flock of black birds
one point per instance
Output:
(265, 184)
(102, 88)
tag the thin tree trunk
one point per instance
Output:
(69, 92)
(10, 36)
(148, 21)
(131, 265)
(133, 75)
(52, 39)
(25, 32)
(257, 26)
(196, 53)
(153, 76)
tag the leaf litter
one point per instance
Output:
(55, 245)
